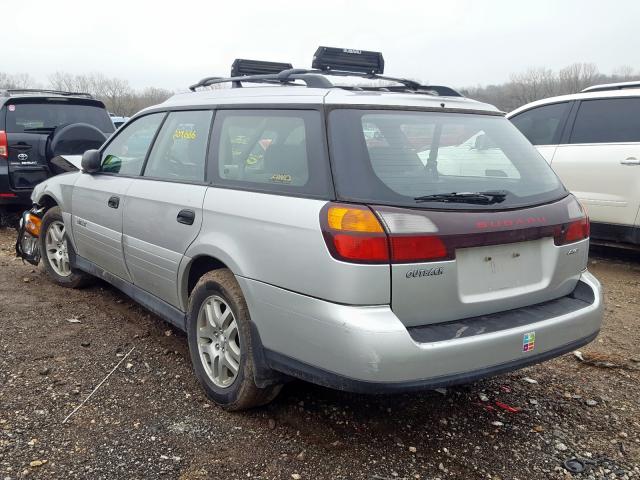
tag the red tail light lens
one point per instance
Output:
(417, 248)
(362, 248)
(573, 232)
(4, 146)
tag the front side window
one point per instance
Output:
(271, 150)
(125, 155)
(179, 152)
(395, 157)
(607, 120)
(542, 125)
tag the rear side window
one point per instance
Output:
(179, 152)
(125, 155)
(271, 150)
(607, 121)
(42, 116)
(542, 125)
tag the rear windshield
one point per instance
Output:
(393, 157)
(38, 116)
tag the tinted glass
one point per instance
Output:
(36, 116)
(126, 153)
(541, 125)
(391, 157)
(272, 150)
(607, 121)
(180, 150)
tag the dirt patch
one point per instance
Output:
(150, 419)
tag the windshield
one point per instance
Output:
(42, 115)
(405, 157)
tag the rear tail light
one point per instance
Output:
(573, 232)
(354, 234)
(421, 248)
(4, 146)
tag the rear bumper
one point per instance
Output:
(368, 349)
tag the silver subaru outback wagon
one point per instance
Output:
(367, 238)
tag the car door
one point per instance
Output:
(600, 163)
(543, 126)
(163, 208)
(97, 199)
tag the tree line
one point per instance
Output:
(537, 83)
(524, 87)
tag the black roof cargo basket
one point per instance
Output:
(242, 67)
(327, 61)
(348, 60)
(9, 92)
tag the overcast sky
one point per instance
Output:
(451, 42)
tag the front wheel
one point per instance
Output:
(218, 329)
(54, 251)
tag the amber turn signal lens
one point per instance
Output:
(353, 219)
(32, 225)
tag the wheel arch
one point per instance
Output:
(47, 201)
(203, 263)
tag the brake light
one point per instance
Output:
(417, 248)
(573, 232)
(4, 145)
(354, 234)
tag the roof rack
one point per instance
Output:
(327, 61)
(8, 92)
(611, 86)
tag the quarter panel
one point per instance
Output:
(277, 240)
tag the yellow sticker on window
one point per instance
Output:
(184, 134)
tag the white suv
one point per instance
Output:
(592, 141)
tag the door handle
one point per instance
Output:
(186, 217)
(114, 202)
(630, 161)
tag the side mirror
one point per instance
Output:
(91, 161)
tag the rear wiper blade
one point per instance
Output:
(482, 198)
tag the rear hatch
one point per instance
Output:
(475, 220)
(29, 125)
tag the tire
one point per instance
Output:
(215, 304)
(57, 266)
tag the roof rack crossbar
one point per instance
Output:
(7, 92)
(317, 79)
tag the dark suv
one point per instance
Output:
(35, 127)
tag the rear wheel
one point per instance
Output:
(54, 251)
(218, 329)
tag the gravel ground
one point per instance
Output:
(150, 419)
